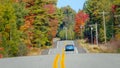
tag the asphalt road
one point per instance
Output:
(80, 48)
(71, 61)
(59, 45)
(58, 58)
(93, 61)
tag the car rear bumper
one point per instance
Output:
(69, 50)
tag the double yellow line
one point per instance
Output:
(55, 64)
(62, 61)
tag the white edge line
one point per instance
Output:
(76, 50)
(73, 43)
(49, 51)
(57, 44)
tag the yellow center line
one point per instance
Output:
(62, 62)
(55, 64)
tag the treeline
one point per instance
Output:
(66, 28)
(101, 11)
(27, 23)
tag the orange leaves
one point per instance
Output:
(53, 22)
(50, 8)
(25, 28)
(117, 36)
(1, 56)
(28, 23)
(1, 48)
(53, 27)
(80, 19)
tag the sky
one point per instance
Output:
(75, 4)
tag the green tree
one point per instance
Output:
(40, 24)
(69, 16)
(8, 29)
(70, 34)
(62, 34)
(20, 12)
(95, 8)
(47, 19)
(67, 22)
(116, 18)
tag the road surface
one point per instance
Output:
(61, 46)
(58, 46)
(71, 61)
(58, 58)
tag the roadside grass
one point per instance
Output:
(118, 50)
(33, 51)
(92, 48)
(107, 49)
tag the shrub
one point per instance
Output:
(22, 50)
(118, 50)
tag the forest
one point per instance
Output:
(34, 23)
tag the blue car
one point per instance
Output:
(69, 47)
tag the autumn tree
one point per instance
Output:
(8, 29)
(67, 23)
(42, 22)
(115, 8)
(27, 27)
(20, 12)
(45, 22)
(80, 19)
(53, 20)
(95, 9)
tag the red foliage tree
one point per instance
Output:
(50, 8)
(53, 27)
(114, 8)
(1, 49)
(53, 22)
(1, 56)
(28, 25)
(80, 19)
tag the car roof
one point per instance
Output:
(69, 45)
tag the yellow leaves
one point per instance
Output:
(7, 27)
(5, 34)
(96, 12)
(117, 36)
(27, 41)
(28, 23)
(22, 28)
